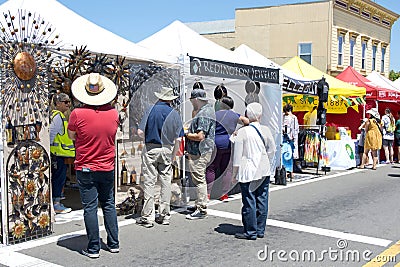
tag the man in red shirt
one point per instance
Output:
(93, 127)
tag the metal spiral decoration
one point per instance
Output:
(26, 45)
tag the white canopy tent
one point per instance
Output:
(189, 48)
(382, 81)
(76, 31)
(397, 83)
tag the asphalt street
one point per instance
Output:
(345, 218)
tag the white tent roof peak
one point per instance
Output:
(177, 39)
(382, 81)
(75, 31)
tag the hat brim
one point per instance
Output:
(106, 96)
(164, 97)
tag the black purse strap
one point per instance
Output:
(259, 134)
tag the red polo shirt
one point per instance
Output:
(95, 129)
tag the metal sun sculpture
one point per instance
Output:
(67, 69)
(26, 45)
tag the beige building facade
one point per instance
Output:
(330, 34)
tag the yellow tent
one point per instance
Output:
(341, 94)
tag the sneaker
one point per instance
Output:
(197, 215)
(90, 255)
(113, 250)
(224, 198)
(61, 209)
(145, 223)
(62, 197)
(191, 208)
(163, 219)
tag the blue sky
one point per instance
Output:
(136, 20)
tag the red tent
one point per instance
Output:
(374, 92)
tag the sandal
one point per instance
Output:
(373, 168)
(359, 167)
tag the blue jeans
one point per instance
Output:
(255, 207)
(94, 187)
(59, 175)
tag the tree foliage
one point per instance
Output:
(394, 75)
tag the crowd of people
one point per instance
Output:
(377, 133)
(219, 142)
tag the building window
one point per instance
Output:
(366, 14)
(355, 9)
(363, 52)
(383, 59)
(340, 49)
(305, 50)
(374, 47)
(386, 23)
(352, 44)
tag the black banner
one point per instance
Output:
(294, 86)
(215, 68)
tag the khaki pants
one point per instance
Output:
(156, 163)
(197, 166)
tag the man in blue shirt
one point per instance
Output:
(160, 127)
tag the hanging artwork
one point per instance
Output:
(28, 48)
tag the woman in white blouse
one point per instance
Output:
(251, 167)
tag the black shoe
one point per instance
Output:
(192, 208)
(90, 255)
(260, 236)
(144, 223)
(244, 236)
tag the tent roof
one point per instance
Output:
(336, 86)
(76, 31)
(397, 83)
(350, 75)
(382, 81)
(179, 40)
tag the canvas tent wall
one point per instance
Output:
(382, 81)
(76, 31)
(191, 49)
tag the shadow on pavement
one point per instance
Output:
(394, 175)
(228, 229)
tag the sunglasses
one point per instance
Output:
(66, 101)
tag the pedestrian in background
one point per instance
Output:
(291, 132)
(373, 138)
(199, 146)
(388, 127)
(61, 148)
(160, 127)
(397, 136)
(361, 139)
(93, 127)
(254, 150)
(226, 123)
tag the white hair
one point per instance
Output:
(254, 111)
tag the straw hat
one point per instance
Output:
(94, 89)
(374, 112)
(166, 94)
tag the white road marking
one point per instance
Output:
(8, 254)
(309, 229)
(10, 258)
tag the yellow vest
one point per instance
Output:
(62, 145)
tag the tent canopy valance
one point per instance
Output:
(373, 91)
